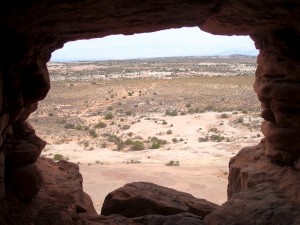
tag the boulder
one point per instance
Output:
(259, 191)
(143, 198)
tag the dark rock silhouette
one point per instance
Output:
(143, 198)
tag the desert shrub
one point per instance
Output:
(190, 111)
(93, 133)
(171, 113)
(155, 146)
(109, 108)
(202, 139)
(240, 120)
(78, 127)
(128, 142)
(224, 115)
(116, 140)
(156, 143)
(126, 127)
(50, 114)
(197, 110)
(108, 116)
(137, 146)
(188, 105)
(209, 108)
(213, 129)
(175, 140)
(128, 113)
(217, 138)
(235, 113)
(172, 163)
(100, 125)
(245, 111)
(129, 93)
(69, 126)
(86, 143)
(164, 122)
(169, 132)
(58, 157)
(130, 134)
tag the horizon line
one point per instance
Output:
(149, 58)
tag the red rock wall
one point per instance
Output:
(277, 86)
(32, 30)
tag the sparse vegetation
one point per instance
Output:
(172, 163)
(58, 157)
(171, 113)
(108, 116)
(100, 124)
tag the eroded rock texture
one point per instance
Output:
(143, 198)
(60, 200)
(259, 192)
(278, 88)
(32, 30)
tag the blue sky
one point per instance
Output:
(172, 42)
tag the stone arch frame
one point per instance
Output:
(32, 30)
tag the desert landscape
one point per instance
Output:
(175, 122)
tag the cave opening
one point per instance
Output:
(173, 120)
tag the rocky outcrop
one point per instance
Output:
(143, 198)
(178, 219)
(259, 192)
(60, 200)
(277, 86)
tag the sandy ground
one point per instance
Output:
(203, 166)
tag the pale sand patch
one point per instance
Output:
(203, 165)
(204, 181)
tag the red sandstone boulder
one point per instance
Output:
(60, 201)
(259, 191)
(143, 198)
(178, 219)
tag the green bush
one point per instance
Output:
(137, 146)
(69, 126)
(155, 146)
(217, 138)
(108, 116)
(169, 132)
(100, 125)
(156, 143)
(171, 113)
(202, 139)
(79, 127)
(129, 112)
(126, 127)
(173, 163)
(116, 140)
(128, 142)
(224, 115)
(58, 157)
(93, 133)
